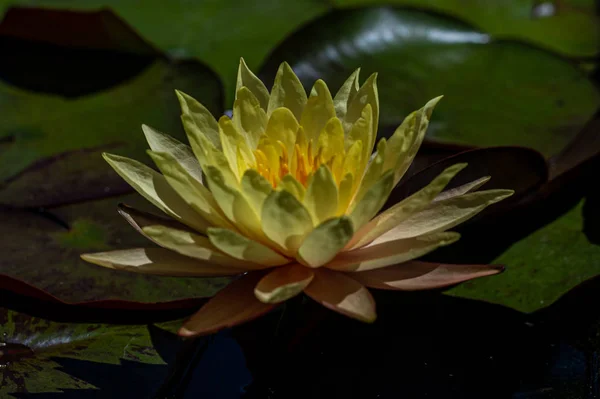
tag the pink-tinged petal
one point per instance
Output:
(233, 305)
(416, 275)
(158, 261)
(283, 283)
(338, 292)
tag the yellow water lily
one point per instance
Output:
(287, 194)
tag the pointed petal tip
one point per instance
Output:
(184, 332)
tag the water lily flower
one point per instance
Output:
(287, 195)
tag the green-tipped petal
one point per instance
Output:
(160, 142)
(391, 252)
(248, 116)
(346, 94)
(405, 208)
(367, 94)
(406, 140)
(157, 261)
(321, 198)
(241, 247)
(372, 201)
(285, 221)
(197, 120)
(256, 189)
(287, 92)
(443, 215)
(189, 189)
(325, 241)
(462, 190)
(283, 283)
(154, 187)
(318, 110)
(247, 78)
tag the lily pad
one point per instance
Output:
(51, 150)
(569, 27)
(496, 92)
(43, 356)
(541, 267)
(46, 255)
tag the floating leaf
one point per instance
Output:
(496, 92)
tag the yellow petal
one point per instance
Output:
(443, 215)
(362, 130)
(283, 283)
(198, 121)
(190, 190)
(160, 142)
(233, 305)
(256, 189)
(232, 142)
(416, 275)
(243, 248)
(406, 140)
(318, 110)
(234, 205)
(248, 116)
(245, 77)
(321, 195)
(158, 261)
(287, 92)
(154, 187)
(461, 190)
(340, 293)
(345, 193)
(366, 95)
(391, 252)
(331, 139)
(372, 201)
(345, 95)
(285, 221)
(282, 126)
(292, 186)
(405, 208)
(325, 241)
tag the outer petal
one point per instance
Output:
(197, 120)
(246, 78)
(157, 261)
(404, 209)
(235, 147)
(462, 190)
(321, 198)
(338, 292)
(373, 173)
(362, 130)
(154, 187)
(241, 247)
(406, 140)
(345, 95)
(292, 186)
(443, 215)
(190, 190)
(287, 92)
(416, 275)
(233, 305)
(325, 241)
(318, 110)
(256, 189)
(283, 283)
(248, 116)
(390, 253)
(184, 155)
(285, 221)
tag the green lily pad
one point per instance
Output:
(569, 27)
(46, 255)
(540, 268)
(496, 92)
(42, 356)
(51, 150)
